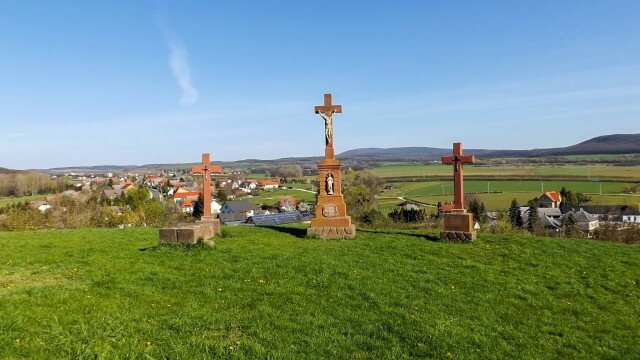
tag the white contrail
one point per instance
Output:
(179, 64)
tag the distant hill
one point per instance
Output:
(7, 171)
(607, 144)
(403, 153)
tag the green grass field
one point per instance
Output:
(441, 191)
(268, 293)
(587, 172)
(270, 197)
(9, 201)
(446, 187)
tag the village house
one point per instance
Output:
(235, 211)
(155, 181)
(186, 205)
(631, 216)
(248, 186)
(609, 213)
(550, 219)
(110, 194)
(271, 184)
(550, 199)
(287, 204)
(586, 222)
(215, 207)
(410, 205)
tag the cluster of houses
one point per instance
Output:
(551, 211)
(249, 185)
(233, 211)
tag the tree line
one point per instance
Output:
(29, 183)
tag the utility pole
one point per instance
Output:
(542, 186)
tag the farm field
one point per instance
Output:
(267, 293)
(446, 187)
(270, 197)
(587, 172)
(432, 192)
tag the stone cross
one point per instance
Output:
(457, 160)
(206, 169)
(326, 111)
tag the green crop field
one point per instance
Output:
(602, 193)
(446, 187)
(268, 293)
(587, 172)
(272, 196)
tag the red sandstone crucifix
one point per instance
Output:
(457, 160)
(206, 169)
(326, 111)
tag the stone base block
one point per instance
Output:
(458, 222)
(331, 233)
(458, 236)
(191, 233)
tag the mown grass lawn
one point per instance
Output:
(269, 293)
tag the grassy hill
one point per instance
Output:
(262, 293)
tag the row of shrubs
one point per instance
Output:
(85, 211)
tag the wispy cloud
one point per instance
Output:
(179, 64)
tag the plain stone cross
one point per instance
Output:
(326, 111)
(457, 160)
(206, 169)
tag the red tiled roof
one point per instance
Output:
(553, 195)
(186, 194)
(268, 182)
(291, 199)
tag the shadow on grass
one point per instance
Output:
(198, 245)
(399, 232)
(293, 231)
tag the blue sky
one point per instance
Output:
(123, 82)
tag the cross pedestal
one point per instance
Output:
(331, 220)
(457, 226)
(205, 228)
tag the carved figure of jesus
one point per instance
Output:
(329, 181)
(328, 127)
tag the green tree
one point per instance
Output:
(359, 200)
(198, 207)
(137, 197)
(569, 225)
(476, 207)
(534, 218)
(222, 195)
(515, 216)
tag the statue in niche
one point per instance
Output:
(329, 184)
